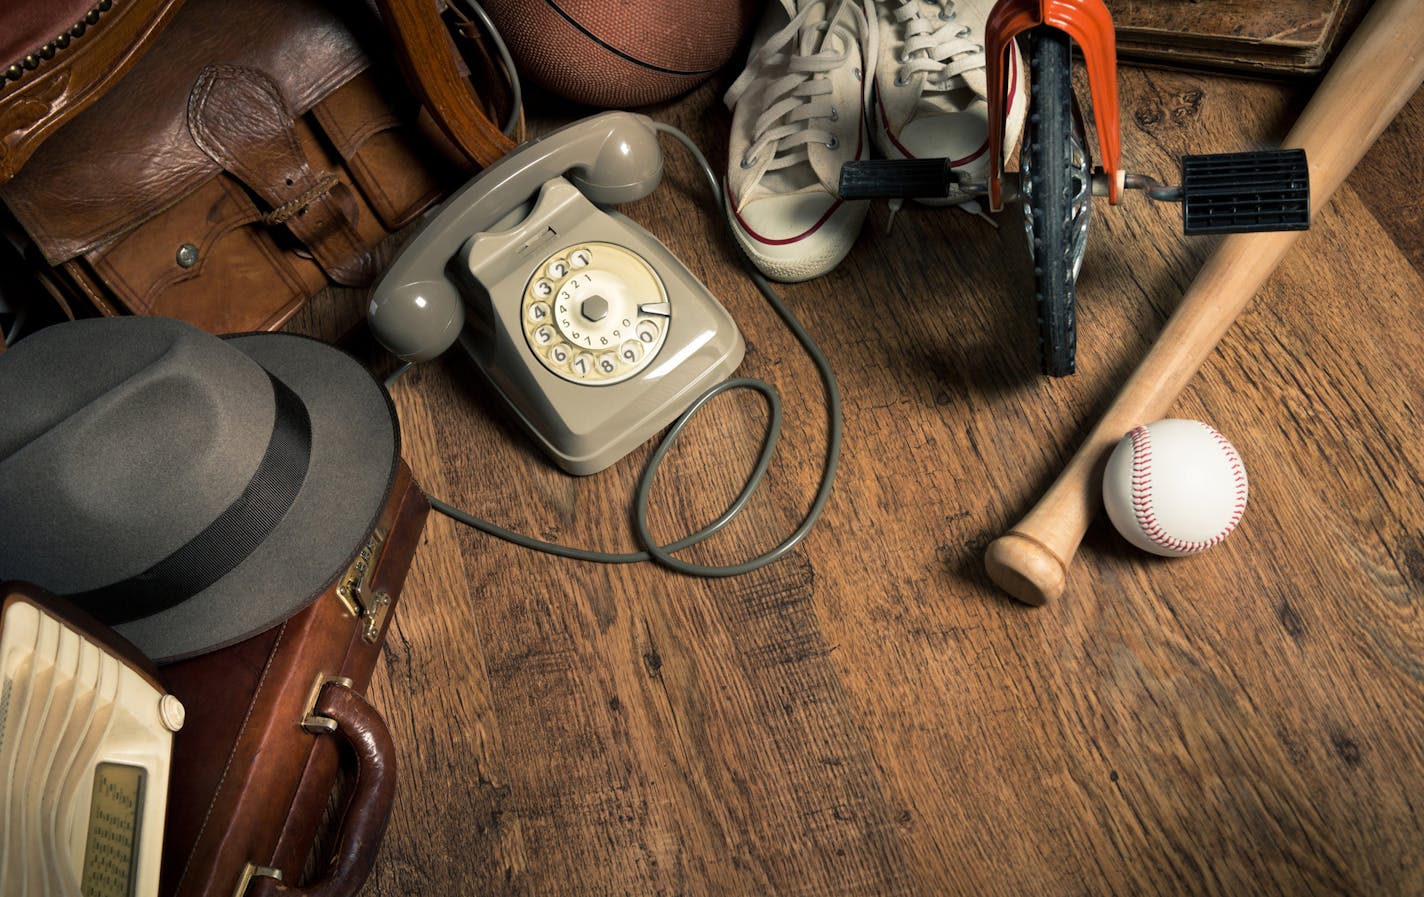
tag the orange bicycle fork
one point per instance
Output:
(1089, 24)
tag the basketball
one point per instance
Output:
(621, 53)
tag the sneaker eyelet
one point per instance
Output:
(748, 163)
(856, 72)
(835, 116)
(946, 14)
(901, 80)
(963, 32)
(833, 143)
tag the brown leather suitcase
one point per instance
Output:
(263, 764)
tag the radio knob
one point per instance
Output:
(171, 711)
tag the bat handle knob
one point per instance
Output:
(1025, 568)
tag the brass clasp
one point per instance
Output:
(313, 723)
(251, 871)
(360, 601)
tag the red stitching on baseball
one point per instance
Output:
(1142, 493)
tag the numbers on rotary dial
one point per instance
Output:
(595, 313)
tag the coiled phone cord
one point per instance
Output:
(664, 554)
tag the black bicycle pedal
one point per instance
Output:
(897, 179)
(1231, 193)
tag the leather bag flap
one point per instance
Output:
(132, 155)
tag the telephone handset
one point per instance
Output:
(591, 330)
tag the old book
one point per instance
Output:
(1289, 37)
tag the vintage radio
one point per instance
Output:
(86, 737)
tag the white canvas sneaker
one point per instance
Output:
(931, 91)
(798, 114)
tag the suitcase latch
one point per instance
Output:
(367, 604)
(311, 721)
(251, 871)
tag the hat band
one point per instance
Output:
(227, 541)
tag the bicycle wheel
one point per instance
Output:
(1057, 196)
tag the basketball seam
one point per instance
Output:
(619, 53)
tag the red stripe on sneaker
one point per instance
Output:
(741, 222)
(954, 163)
(746, 228)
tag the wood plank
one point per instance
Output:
(868, 715)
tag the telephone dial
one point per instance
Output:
(591, 330)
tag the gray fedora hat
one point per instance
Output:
(189, 490)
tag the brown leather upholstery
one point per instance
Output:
(27, 27)
(59, 57)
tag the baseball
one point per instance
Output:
(1174, 487)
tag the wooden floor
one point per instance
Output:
(869, 716)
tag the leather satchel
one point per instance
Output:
(255, 154)
(283, 775)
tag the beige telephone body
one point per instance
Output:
(595, 335)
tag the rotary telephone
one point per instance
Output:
(593, 333)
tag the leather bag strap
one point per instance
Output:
(238, 116)
(432, 71)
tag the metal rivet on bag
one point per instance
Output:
(77, 29)
(106, 5)
(187, 255)
(31, 62)
(92, 17)
(14, 72)
(62, 41)
(47, 51)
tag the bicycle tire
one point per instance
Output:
(1048, 200)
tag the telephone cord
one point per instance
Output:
(516, 94)
(664, 554)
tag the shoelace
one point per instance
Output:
(799, 99)
(942, 50)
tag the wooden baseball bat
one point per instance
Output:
(1375, 75)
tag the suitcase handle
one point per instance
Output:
(371, 800)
